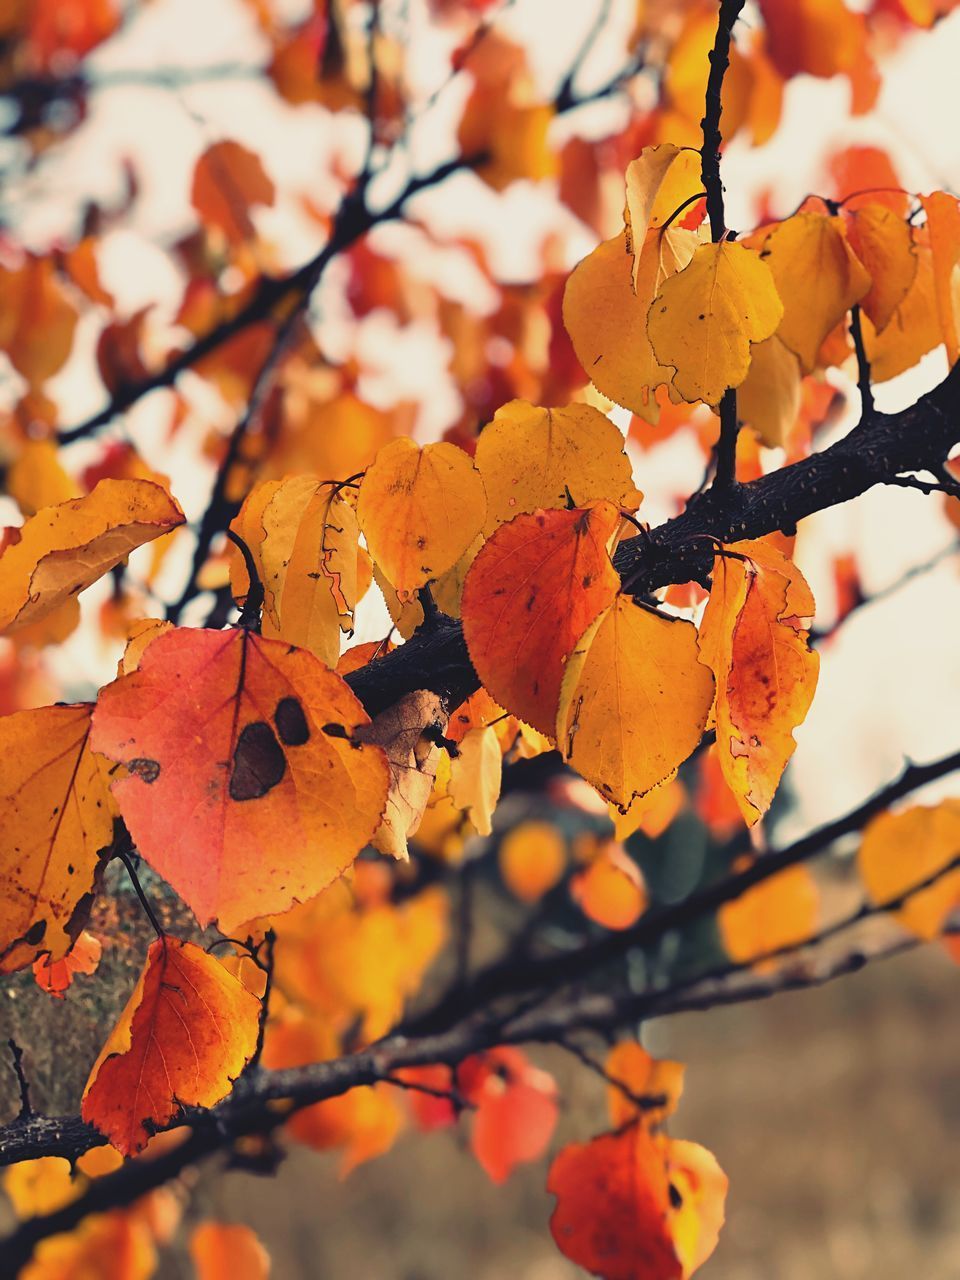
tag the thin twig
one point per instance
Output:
(125, 858)
(23, 1086)
(863, 363)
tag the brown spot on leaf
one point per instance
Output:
(258, 762)
(291, 722)
(146, 770)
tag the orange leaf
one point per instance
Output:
(109, 1246)
(645, 1077)
(57, 823)
(533, 857)
(632, 1206)
(65, 548)
(516, 1110)
(900, 850)
(530, 594)
(187, 1032)
(943, 224)
(884, 244)
(54, 976)
(613, 1207)
(226, 737)
(778, 912)
(227, 181)
(610, 890)
(38, 319)
(228, 1251)
(754, 639)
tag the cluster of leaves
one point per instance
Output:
(303, 821)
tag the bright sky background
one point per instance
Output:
(889, 684)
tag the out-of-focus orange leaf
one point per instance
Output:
(41, 1186)
(419, 510)
(820, 37)
(531, 457)
(224, 735)
(770, 397)
(110, 1246)
(610, 891)
(755, 641)
(187, 1032)
(37, 320)
(533, 857)
(779, 912)
(227, 182)
(55, 976)
(228, 1251)
(530, 594)
(516, 1110)
(651, 813)
(63, 549)
(645, 1077)
(865, 175)
(57, 824)
(66, 32)
(37, 478)
(634, 700)
(900, 850)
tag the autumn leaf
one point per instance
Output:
(408, 733)
(610, 891)
(901, 850)
(914, 329)
(819, 278)
(661, 180)
(55, 976)
(770, 398)
(57, 827)
(419, 510)
(778, 912)
(606, 314)
(531, 457)
(37, 320)
(705, 317)
(227, 182)
(531, 592)
(883, 243)
(304, 538)
(639, 1075)
(120, 1239)
(65, 548)
(228, 1251)
(754, 639)
(516, 1109)
(188, 1030)
(943, 227)
(226, 737)
(532, 858)
(634, 700)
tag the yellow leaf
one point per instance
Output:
(606, 316)
(707, 315)
(778, 912)
(531, 457)
(634, 700)
(63, 549)
(419, 510)
(304, 538)
(900, 850)
(882, 241)
(769, 399)
(819, 278)
(646, 1077)
(475, 776)
(658, 182)
(57, 822)
(754, 640)
(943, 226)
(914, 328)
(37, 478)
